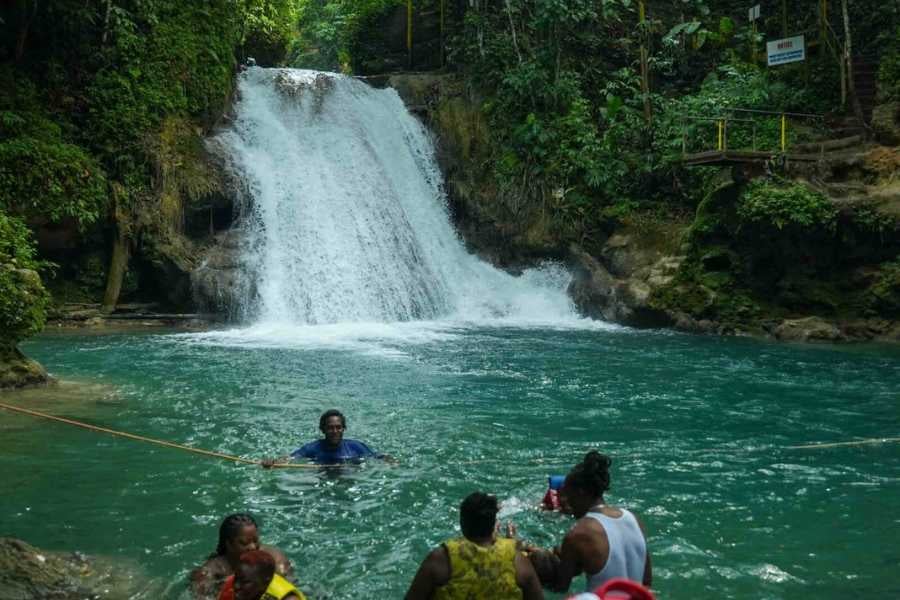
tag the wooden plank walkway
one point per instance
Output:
(733, 157)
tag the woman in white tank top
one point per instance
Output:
(606, 541)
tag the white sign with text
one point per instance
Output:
(787, 50)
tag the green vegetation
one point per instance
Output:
(102, 105)
(562, 86)
(889, 69)
(772, 248)
(42, 174)
(886, 290)
(790, 205)
(23, 299)
(331, 32)
(576, 111)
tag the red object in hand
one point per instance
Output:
(551, 500)
(623, 589)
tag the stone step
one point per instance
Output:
(842, 190)
(828, 145)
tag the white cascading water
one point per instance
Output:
(347, 220)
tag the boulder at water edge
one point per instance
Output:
(17, 370)
(27, 573)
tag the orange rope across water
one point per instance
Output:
(140, 438)
(840, 444)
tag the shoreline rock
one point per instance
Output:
(18, 371)
(29, 572)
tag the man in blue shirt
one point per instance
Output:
(333, 449)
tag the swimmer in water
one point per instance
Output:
(479, 565)
(333, 448)
(237, 534)
(255, 578)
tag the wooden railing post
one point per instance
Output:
(409, 33)
(783, 132)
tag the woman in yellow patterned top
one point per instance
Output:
(479, 565)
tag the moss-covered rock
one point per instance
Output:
(809, 329)
(18, 371)
(29, 572)
(509, 226)
(783, 258)
(886, 122)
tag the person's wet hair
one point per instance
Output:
(591, 475)
(331, 413)
(260, 563)
(230, 528)
(478, 515)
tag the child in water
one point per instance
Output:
(255, 579)
(551, 499)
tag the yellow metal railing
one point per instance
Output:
(752, 119)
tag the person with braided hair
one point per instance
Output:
(479, 565)
(606, 542)
(238, 534)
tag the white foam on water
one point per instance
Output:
(347, 236)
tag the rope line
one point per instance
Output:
(140, 438)
(837, 444)
(248, 461)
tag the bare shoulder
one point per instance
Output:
(208, 578)
(283, 565)
(438, 563)
(216, 566)
(438, 556)
(583, 528)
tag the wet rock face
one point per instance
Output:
(810, 329)
(27, 572)
(619, 288)
(217, 282)
(18, 371)
(886, 123)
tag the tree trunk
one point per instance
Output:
(106, 22)
(512, 30)
(118, 266)
(848, 58)
(645, 68)
(27, 16)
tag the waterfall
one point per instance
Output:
(346, 217)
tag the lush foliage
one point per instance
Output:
(43, 175)
(88, 87)
(566, 105)
(689, 121)
(886, 290)
(889, 70)
(52, 179)
(267, 29)
(23, 300)
(170, 58)
(330, 31)
(785, 205)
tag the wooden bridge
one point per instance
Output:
(747, 148)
